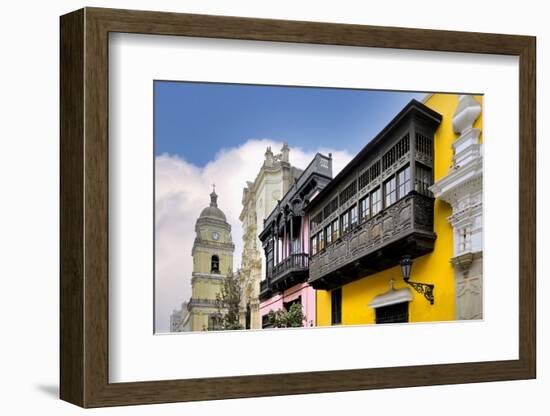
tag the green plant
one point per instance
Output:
(291, 318)
(227, 304)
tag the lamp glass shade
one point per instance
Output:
(406, 266)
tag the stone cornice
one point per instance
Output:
(465, 260)
(466, 214)
(199, 242)
(265, 171)
(213, 222)
(207, 276)
(460, 181)
(202, 304)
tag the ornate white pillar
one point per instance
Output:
(462, 188)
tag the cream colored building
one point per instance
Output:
(260, 197)
(212, 261)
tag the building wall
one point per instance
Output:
(206, 247)
(271, 183)
(308, 302)
(206, 287)
(259, 199)
(434, 267)
(200, 317)
(203, 260)
(462, 187)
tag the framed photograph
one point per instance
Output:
(255, 207)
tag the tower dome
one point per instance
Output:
(213, 211)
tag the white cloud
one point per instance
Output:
(182, 191)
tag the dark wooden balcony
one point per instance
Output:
(292, 270)
(265, 289)
(293, 265)
(403, 228)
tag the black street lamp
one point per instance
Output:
(406, 266)
(425, 289)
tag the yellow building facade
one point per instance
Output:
(436, 267)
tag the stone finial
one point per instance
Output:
(284, 152)
(213, 197)
(466, 113)
(268, 157)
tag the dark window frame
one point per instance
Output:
(376, 205)
(266, 323)
(403, 186)
(353, 223)
(270, 261)
(423, 179)
(345, 227)
(362, 216)
(215, 261)
(287, 305)
(392, 191)
(328, 234)
(313, 246)
(392, 314)
(336, 306)
(335, 229)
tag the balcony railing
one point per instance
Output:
(264, 287)
(290, 271)
(293, 263)
(406, 227)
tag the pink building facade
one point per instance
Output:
(301, 293)
(285, 240)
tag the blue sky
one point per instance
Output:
(196, 120)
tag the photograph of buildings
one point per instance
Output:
(279, 207)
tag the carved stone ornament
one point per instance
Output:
(464, 261)
(466, 114)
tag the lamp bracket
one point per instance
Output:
(425, 289)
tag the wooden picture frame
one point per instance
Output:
(84, 207)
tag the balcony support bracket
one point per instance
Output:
(425, 289)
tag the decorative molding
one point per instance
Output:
(391, 297)
(464, 261)
(208, 276)
(213, 245)
(459, 182)
(466, 113)
(469, 295)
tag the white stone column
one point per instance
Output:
(462, 188)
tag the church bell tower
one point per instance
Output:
(212, 261)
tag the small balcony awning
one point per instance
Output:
(391, 297)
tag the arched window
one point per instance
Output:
(215, 264)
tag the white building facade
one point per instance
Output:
(462, 188)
